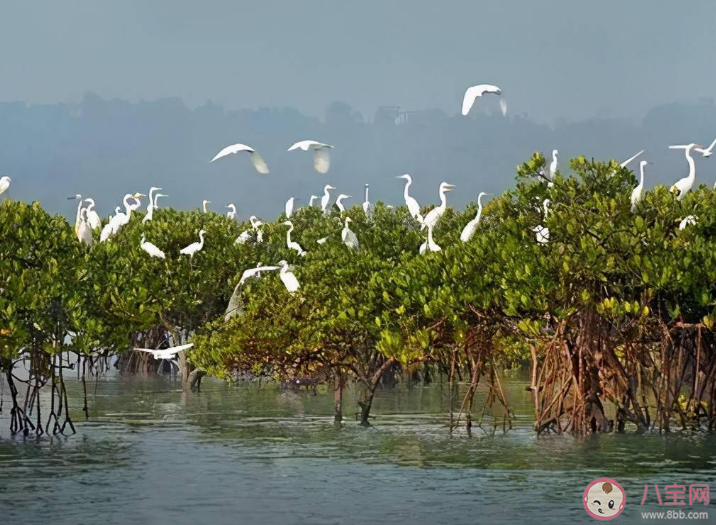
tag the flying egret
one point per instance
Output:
(688, 221)
(256, 159)
(339, 202)
(313, 198)
(683, 186)
(165, 353)
(93, 218)
(638, 192)
(503, 107)
(321, 153)
(293, 245)
(626, 162)
(4, 184)
(477, 91)
(705, 152)
(367, 206)
(84, 233)
(288, 278)
(542, 232)
(434, 215)
(195, 246)
(410, 202)
(234, 302)
(430, 245)
(203, 206)
(471, 226)
(326, 198)
(231, 214)
(150, 248)
(349, 237)
(288, 208)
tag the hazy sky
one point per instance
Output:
(553, 59)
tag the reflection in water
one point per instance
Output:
(253, 454)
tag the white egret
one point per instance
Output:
(326, 198)
(108, 229)
(234, 302)
(553, 165)
(122, 218)
(542, 232)
(321, 153)
(84, 233)
(688, 221)
(471, 226)
(256, 159)
(93, 218)
(288, 278)
(151, 206)
(434, 215)
(310, 201)
(150, 248)
(231, 214)
(410, 202)
(705, 152)
(195, 246)
(322, 240)
(156, 198)
(430, 245)
(292, 245)
(683, 186)
(4, 184)
(638, 192)
(339, 202)
(165, 353)
(349, 237)
(626, 162)
(246, 235)
(204, 207)
(503, 107)
(477, 91)
(367, 206)
(78, 216)
(288, 208)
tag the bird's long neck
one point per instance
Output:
(692, 164)
(201, 240)
(366, 194)
(641, 175)
(79, 213)
(127, 207)
(406, 191)
(479, 210)
(288, 234)
(203, 205)
(443, 199)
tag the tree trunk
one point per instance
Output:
(338, 397)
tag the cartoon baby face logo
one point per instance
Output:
(604, 499)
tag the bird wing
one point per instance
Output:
(290, 282)
(148, 350)
(234, 148)
(350, 239)
(303, 144)
(259, 162)
(477, 91)
(321, 159)
(626, 162)
(176, 349)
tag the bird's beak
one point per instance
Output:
(450, 187)
(136, 195)
(71, 198)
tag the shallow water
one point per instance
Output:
(250, 454)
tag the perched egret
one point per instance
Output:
(410, 202)
(204, 207)
(638, 192)
(288, 208)
(430, 245)
(477, 91)
(4, 184)
(231, 214)
(84, 233)
(246, 235)
(322, 240)
(93, 218)
(683, 186)
(195, 246)
(339, 202)
(310, 201)
(326, 198)
(288, 278)
(108, 229)
(151, 206)
(705, 152)
(293, 245)
(78, 216)
(503, 107)
(122, 218)
(434, 215)
(321, 153)
(688, 221)
(553, 165)
(367, 206)
(165, 353)
(234, 303)
(542, 232)
(349, 237)
(156, 198)
(150, 248)
(471, 226)
(256, 159)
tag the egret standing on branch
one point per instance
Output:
(256, 159)
(150, 248)
(477, 91)
(231, 214)
(683, 186)
(432, 218)
(349, 238)
(321, 153)
(292, 245)
(367, 206)
(195, 246)
(326, 198)
(93, 218)
(430, 245)
(288, 278)
(471, 226)
(410, 202)
(310, 201)
(339, 202)
(638, 192)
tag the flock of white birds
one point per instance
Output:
(88, 221)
